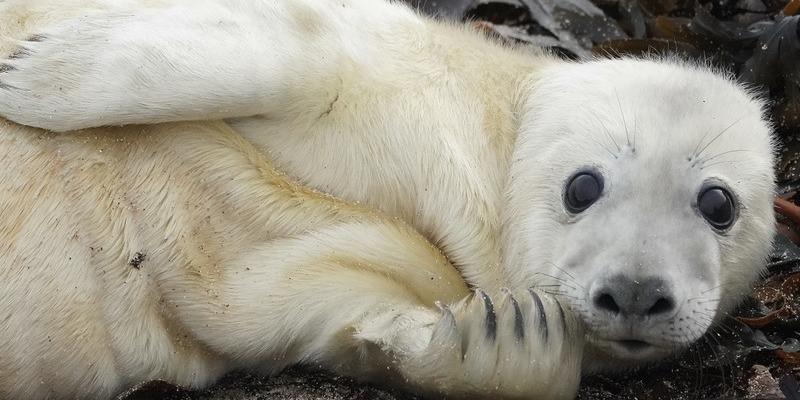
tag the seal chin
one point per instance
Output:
(630, 349)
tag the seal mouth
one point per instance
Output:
(633, 345)
(630, 349)
(634, 349)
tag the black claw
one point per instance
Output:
(447, 315)
(491, 317)
(464, 346)
(21, 52)
(519, 327)
(36, 38)
(6, 86)
(563, 316)
(542, 316)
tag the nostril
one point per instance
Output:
(606, 302)
(661, 306)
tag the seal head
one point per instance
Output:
(641, 192)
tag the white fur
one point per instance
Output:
(467, 141)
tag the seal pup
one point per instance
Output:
(637, 193)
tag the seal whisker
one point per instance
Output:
(555, 278)
(699, 367)
(622, 114)
(721, 325)
(697, 147)
(721, 162)
(733, 318)
(603, 147)
(700, 297)
(717, 358)
(559, 294)
(714, 139)
(572, 277)
(698, 362)
(563, 282)
(702, 160)
(552, 289)
(607, 132)
(720, 361)
(715, 287)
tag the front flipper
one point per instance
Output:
(185, 62)
(521, 345)
(376, 302)
(182, 60)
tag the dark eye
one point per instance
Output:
(716, 205)
(583, 190)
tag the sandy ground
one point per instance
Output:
(292, 385)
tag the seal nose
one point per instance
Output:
(648, 297)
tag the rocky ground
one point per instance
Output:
(755, 354)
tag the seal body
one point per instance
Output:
(625, 204)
